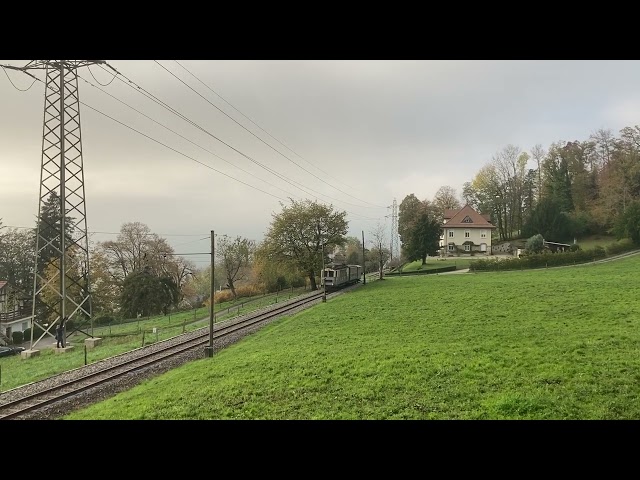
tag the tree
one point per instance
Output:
(407, 213)
(352, 251)
(628, 224)
(75, 290)
(17, 250)
(272, 275)
(425, 237)
(236, 256)
(470, 196)
(298, 233)
(105, 291)
(535, 244)
(419, 225)
(378, 254)
(446, 198)
(48, 228)
(136, 248)
(147, 294)
(538, 153)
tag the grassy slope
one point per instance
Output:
(551, 344)
(432, 262)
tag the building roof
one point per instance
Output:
(466, 217)
(2, 284)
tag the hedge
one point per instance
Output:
(542, 260)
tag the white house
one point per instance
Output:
(465, 231)
(11, 314)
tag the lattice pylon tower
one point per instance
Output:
(394, 246)
(61, 286)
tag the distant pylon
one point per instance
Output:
(61, 268)
(394, 246)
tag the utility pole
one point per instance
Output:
(364, 263)
(324, 286)
(61, 266)
(208, 351)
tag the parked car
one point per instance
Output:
(8, 351)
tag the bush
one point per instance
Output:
(620, 246)
(535, 244)
(574, 248)
(103, 320)
(17, 337)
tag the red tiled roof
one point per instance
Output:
(449, 213)
(477, 220)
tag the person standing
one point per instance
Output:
(60, 333)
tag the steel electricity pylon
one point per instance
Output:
(61, 287)
(394, 246)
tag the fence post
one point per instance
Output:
(143, 338)
(85, 355)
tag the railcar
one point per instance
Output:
(335, 277)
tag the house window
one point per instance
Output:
(450, 233)
(452, 247)
(483, 234)
(467, 248)
(467, 233)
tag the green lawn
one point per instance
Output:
(545, 344)
(433, 262)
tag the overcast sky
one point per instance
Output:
(355, 134)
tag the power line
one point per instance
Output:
(177, 151)
(185, 138)
(281, 143)
(14, 86)
(245, 128)
(155, 99)
(152, 97)
(119, 233)
(180, 153)
(185, 118)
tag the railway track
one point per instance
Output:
(103, 376)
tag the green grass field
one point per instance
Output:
(547, 344)
(433, 262)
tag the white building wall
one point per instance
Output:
(474, 236)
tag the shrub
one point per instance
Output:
(535, 244)
(620, 246)
(103, 320)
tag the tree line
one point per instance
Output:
(139, 273)
(575, 188)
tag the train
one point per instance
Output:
(339, 276)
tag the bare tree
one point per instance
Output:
(379, 254)
(236, 256)
(605, 143)
(538, 153)
(446, 198)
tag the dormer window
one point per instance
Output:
(467, 219)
